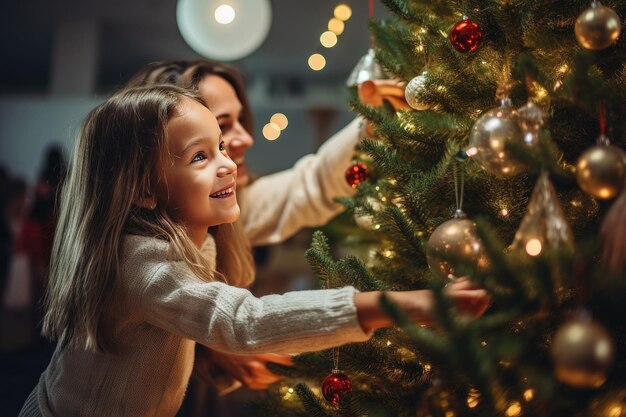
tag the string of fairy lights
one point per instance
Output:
(329, 38)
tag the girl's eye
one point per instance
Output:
(222, 148)
(198, 157)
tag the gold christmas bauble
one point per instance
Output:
(456, 238)
(598, 27)
(583, 353)
(413, 90)
(490, 135)
(600, 171)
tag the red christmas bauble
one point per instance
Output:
(356, 174)
(335, 385)
(466, 35)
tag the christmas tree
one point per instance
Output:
(507, 168)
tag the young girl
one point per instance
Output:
(134, 281)
(273, 207)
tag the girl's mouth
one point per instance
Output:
(224, 193)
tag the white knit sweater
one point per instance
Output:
(164, 309)
(161, 312)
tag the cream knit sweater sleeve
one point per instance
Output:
(231, 319)
(276, 206)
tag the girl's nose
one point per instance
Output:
(227, 167)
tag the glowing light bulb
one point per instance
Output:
(224, 14)
(514, 409)
(533, 247)
(472, 151)
(529, 394)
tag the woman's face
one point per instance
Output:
(222, 99)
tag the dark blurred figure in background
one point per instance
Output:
(5, 232)
(26, 233)
(38, 229)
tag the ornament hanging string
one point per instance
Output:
(580, 270)
(505, 84)
(459, 183)
(602, 117)
(370, 17)
(335, 351)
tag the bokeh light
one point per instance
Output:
(317, 62)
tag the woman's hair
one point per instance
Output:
(189, 74)
(160, 72)
(116, 162)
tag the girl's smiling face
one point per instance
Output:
(198, 177)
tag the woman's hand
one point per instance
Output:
(250, 370)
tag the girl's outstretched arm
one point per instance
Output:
(419, 304)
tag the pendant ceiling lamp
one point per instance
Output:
(224, 30)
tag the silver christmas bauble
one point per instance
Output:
(490, 135)
(598, 27)
(413, 90)
(455, 238)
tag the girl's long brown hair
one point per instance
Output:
(114, 164)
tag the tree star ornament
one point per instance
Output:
(356, 174)
(598, 27)
(456, 238)
(601, 169)
(366, 69)
(413, 90)
(336, 385)
(490, 135)
(583, 353)
(466, 35)
(543, 225)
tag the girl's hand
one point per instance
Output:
(468, 297)
(251, 370)
(419, 305)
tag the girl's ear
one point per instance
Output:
(147, 202)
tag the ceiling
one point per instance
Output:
(131, 33)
